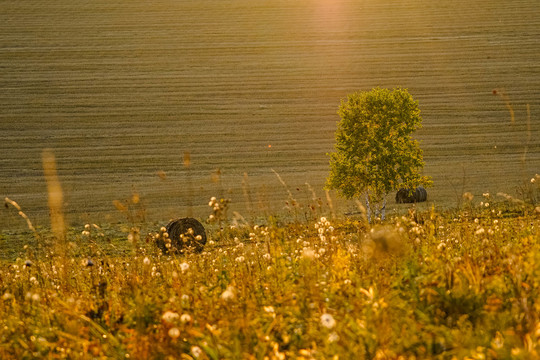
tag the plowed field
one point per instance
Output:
(120, 90)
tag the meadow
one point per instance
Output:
(460, 284)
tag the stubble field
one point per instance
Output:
(120, 91)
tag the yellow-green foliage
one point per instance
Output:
(375, 151)
(425, 285)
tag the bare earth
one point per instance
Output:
(120, 90)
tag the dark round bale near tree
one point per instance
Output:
(185, 234)
(407, 196)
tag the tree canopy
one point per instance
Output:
(374, 151)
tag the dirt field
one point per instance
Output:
(121, 89)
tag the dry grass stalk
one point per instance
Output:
(56, 197)
(21, 214)
(506, 99)
(529, 135)
(330, 204)
(187, 164)
(291, 197)
(247, 194)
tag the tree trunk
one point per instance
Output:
(368, 208)
(377, 211)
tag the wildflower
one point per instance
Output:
(267, 256)
(185, 318)
(6, 296)
(196, 351)
(240, 259)
(498, 342)
(308, 253)
(370, 294)
(328, 321)
(333, 337)
(146, 260)
(479, 231)
(228, 294)
(169, 316)
(174, 333)
(269, 309)
(184, 266)
(468, 196)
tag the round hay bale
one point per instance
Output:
(406, 196)
(185, 234)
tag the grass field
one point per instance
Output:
(120, 91)
(427, 285)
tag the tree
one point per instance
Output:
(374, 151)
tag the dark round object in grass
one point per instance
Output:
(408, 196)
(185, 234)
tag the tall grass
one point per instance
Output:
(428, 284)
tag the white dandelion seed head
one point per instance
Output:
(185, 318)
(328, 321)
(308, 253)
(184, 266)
(333, 337)
(174, 333)
(480, 231)
(170, 316)
(196, 351)
(228, 294)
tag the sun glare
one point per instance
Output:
(329, 13)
